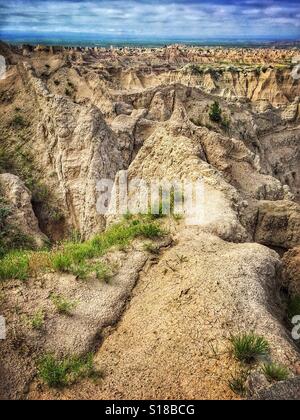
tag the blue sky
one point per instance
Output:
(163, 18)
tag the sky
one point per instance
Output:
(190, 19)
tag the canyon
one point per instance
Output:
(161, 327)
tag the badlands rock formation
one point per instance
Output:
(21, 214)
(162, 328)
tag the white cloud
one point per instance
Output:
(162, 18)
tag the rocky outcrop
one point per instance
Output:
(80, 149)
(21, 215)
(284, 391)
(278, 224)
(291, 271)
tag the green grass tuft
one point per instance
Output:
(72, 257)
(58, 373)
(103, 273)
(151, 248)
(275, 372)
(61, 262)
(248, 348)
(37, 320)
(63, 305)
(14, 265)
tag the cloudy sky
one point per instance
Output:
(164, 18)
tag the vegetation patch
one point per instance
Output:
(36, 321)
(248, 348)
(215, 113)
(275, 372)
(216, 116)
(73, 257)
(59, 373)
(15, 265)
(63, 305)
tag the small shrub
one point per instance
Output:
(57, 82)
(58, 373)
(248, 348)
(39, 261)
(63, 305)
(215, 113)
(294, 307)
(275, 372)
(68, 92)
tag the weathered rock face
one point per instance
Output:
(97, 108)
(78, 146)
(284, 391)
(21, 215)
(291, 271)
(175, 152)
(278, 224)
